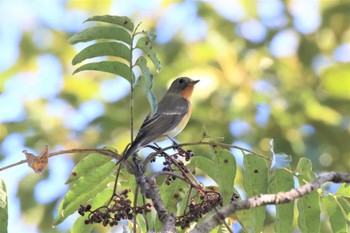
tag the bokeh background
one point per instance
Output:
(268, 69)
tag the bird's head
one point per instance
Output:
(183, 86)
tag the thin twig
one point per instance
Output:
(225, 145)
(134, 207)
(107, 152)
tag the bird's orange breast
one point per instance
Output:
(187, 93)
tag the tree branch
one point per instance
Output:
(150, 190)
(266, 199)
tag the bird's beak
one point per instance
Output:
(194, 82)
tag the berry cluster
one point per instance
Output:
(169, 168)
(112, 214)
(187, 154)
(208, 201)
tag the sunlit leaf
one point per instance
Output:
(85, 188)
(113, 67)
(101, 32)
(146, 45)
(3, 207)
(86, 165)
(118, 20)
(335, 214)
(344, 190)
(103, 49)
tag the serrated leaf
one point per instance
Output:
(101, 32)
(255, 182)
(103, 49)
(113, 67)
(335, 214)
(145, 81)
(146, 45)
(281, 180)
(3, 207)
(85, 188)
(86, 165)
(122, 21)
(222, 170)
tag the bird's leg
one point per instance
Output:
(155, 148)
(175, 144)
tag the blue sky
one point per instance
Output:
(18, 16)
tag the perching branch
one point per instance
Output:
(129, 166)
(150, 190)
(267, 199)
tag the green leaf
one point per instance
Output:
(255, 182)
(90, 162)
(172, 194)
(335, 214)
(281, 180)
(145, 81)
(113, 67)
(101, 199)
(85, 188)
(344, 190)
(222, 170)
(309, 205)
(101, 32)
(344, 203)
(146, 45)
(103, 49)
(122, 21)
(3, 207)
(304, 170)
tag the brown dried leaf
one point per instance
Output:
(38, 164)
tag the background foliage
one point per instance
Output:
(268, 69)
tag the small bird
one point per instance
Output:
(171, 117)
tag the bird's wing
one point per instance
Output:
(169, 114)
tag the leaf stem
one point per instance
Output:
(132, 82)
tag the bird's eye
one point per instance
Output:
(181, 80)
